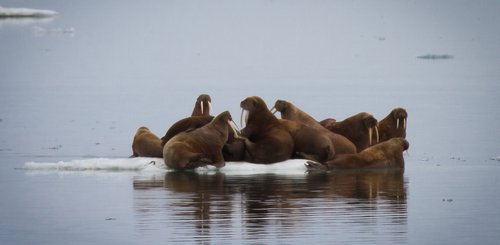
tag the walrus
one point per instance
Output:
(146, 144)
(185, 124)
(289, 111)
(393, 125)
(358, 129)
(199, 147)
(202, 106)
(233, 149)
(309, 143)
(269, 140)
(388, 154)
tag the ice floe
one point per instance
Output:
(155, 165)
(435, 57)
(25, 12)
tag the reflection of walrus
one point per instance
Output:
(388, 154)
(357, 128)
(269, 140)
(289, 111)
(199, 147)
(393, 125)
(203, 106)
(146, 144)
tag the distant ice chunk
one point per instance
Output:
(40, 31)
(25, 12)
(496, 158)
(435, 57)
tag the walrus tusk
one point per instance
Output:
(201, 104)
(404, 123)
(370, 135)
(209, 106)
(273, 110)
(234, 128)
(241, 117)
(376, 132)
(397, 123)
(246, 117)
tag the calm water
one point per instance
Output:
(76, 87)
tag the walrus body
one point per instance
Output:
(309, 143)
(289, 111)
(199, 147)
(185, 124)
(388, 154)
(266, 141)
(146, 144)
(393, 125)
(358, 129)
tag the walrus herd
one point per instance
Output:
(357, 142)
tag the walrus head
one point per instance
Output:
(282, 106)
(251, 105)
(406, 144)
(203, 105)
(399, 115)
(225, 119)
(142, 130)
(403, 142)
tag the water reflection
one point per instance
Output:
(216, 207)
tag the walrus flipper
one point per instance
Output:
(200, 162)
(315, 167)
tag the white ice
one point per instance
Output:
(25, 12)
(155, 165)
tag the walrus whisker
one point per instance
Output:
(397, 123)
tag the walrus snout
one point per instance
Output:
(406, 144)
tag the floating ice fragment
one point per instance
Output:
(40, 31)
(25, 12)
(435, 57)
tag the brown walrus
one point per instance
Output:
(185, 124)
(233, 149)
(309, 143)
(269, 140)
(289, 111)
(358, 129)
(388, 154)
(393, 125)
(202, 106)
(146, 144)
(199, 147)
